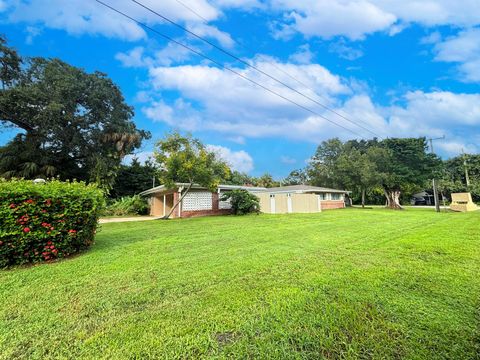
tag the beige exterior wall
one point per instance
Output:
(264, 202)
(300, 203)
(281, 206)
(156, 204)
(305, 203)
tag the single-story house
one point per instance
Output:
(201, 202)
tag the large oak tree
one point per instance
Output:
(74, 124)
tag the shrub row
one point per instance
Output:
(41, 222)
(127, 205)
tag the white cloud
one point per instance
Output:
(137, 57)
(344, 51)
(89, 17)
(32, 33)
(241, 4)
(303, 56)
(354, 19)
(288, 160)
(463, 49)
(3, 5)
(179, 115)
(456, 146)
(330, 18)
(133, 58)
(204, 30)
(238, 160)
(433, 38)
(433, 12)
(229, 105)
(237, 139)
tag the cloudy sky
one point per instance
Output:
(327, 68)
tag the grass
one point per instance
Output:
(341, 284)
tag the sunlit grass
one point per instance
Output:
(341, 284)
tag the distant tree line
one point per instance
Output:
(388, 171)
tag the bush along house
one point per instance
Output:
(202, 202)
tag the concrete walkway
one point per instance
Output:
(125, 219)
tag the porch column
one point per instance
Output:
(215, 201)
(164, 204)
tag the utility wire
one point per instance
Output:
(226, 52)
(278, 68)
(193, 11)
(225, 67)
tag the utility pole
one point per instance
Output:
(434, 181)
(467, 178)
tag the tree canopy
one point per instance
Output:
(134, 178)
(75, 124)
(184, 159)
(392, 164)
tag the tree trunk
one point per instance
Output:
(166, 217)
(393, 199)
(363, 198)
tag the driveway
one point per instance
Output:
(125, 219)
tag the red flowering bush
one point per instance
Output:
(41, 222)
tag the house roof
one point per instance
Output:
(300, 189)
(304, 189)
(163, 188)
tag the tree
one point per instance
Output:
(134, 178)
(296, 177)
(394, 164)
(358, 168)
(266, 180)
(405, 162)
(455, 174)
(75, 124)
(242, 201)
(10, 64)
(323, 170)
(183, 159)
(239, 178)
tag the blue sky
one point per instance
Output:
(396, 67)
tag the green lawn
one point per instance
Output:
(340, 284)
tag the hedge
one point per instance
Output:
(42, 222)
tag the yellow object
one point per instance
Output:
(463, 202)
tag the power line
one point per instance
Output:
(193, 11)
(228, 53)
(225, 67)
(205, 22)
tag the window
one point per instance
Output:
(323, 196)
(336, 197)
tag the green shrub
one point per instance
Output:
(242, 201)
(40, 222)
(128, 205)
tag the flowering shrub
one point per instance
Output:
(41, 222)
